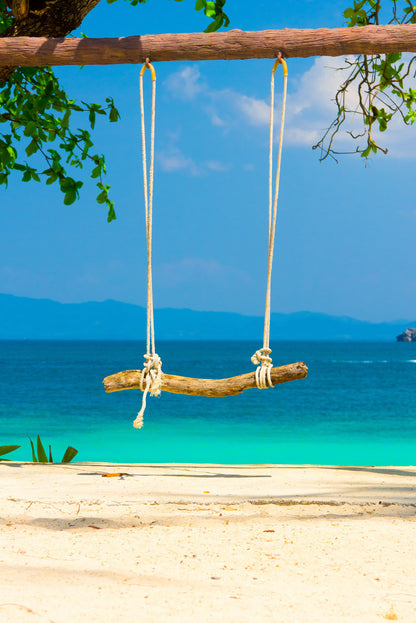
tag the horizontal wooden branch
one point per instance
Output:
(130, 379)
(235, 44)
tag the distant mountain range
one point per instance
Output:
(25, 318)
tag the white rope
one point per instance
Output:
(151, 377)
(261, 357)
(150, 381)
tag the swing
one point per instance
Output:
(151, 379)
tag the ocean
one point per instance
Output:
(356, 407)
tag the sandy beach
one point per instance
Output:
(209, 543)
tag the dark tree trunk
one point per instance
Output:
(50, 18)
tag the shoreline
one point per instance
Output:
(185, 543)
(211, 482)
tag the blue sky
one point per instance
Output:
(345, 235)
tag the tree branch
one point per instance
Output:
(235, 44)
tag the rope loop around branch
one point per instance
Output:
(263, 361)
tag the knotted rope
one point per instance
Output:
(261, 357)
(151, 377)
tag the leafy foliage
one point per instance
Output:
(380, 81)
(213, 10)
(37, 113)
(42, 457)
(5, 17)
(38, 120)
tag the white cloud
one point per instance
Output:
(317, 86)
(185, 84)
(311, 107)
(214, 165)
(310, 110)
(216, 120)
(174, 160)
(256, 111)
(301, 136)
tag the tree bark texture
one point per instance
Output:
(235, 44)
(130, 379)
(45, 18)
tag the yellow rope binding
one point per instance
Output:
(261, 357)
(151, 378)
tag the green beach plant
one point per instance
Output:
(5, 450)
(42, 457)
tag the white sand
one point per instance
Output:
(187, 543)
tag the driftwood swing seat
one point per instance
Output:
(215, 388)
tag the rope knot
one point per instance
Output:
(263, 361)
(150, 382)
(152, 368)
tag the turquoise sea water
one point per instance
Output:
(357, 406)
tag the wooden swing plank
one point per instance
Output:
(130, 379)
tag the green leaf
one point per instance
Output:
(210, 10)
(41, 451)
(30, 129)
(114, 114)
(34, 459)
(70, 453)
(102, 196)
(65, 118)
(200, 4)
(32, 148)
(394, 57)
(56, 166)
(12, 153)
(91, 118)
(215, 25)
(7, 449)
(111, 212)
(67, 183)
(70, 197)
